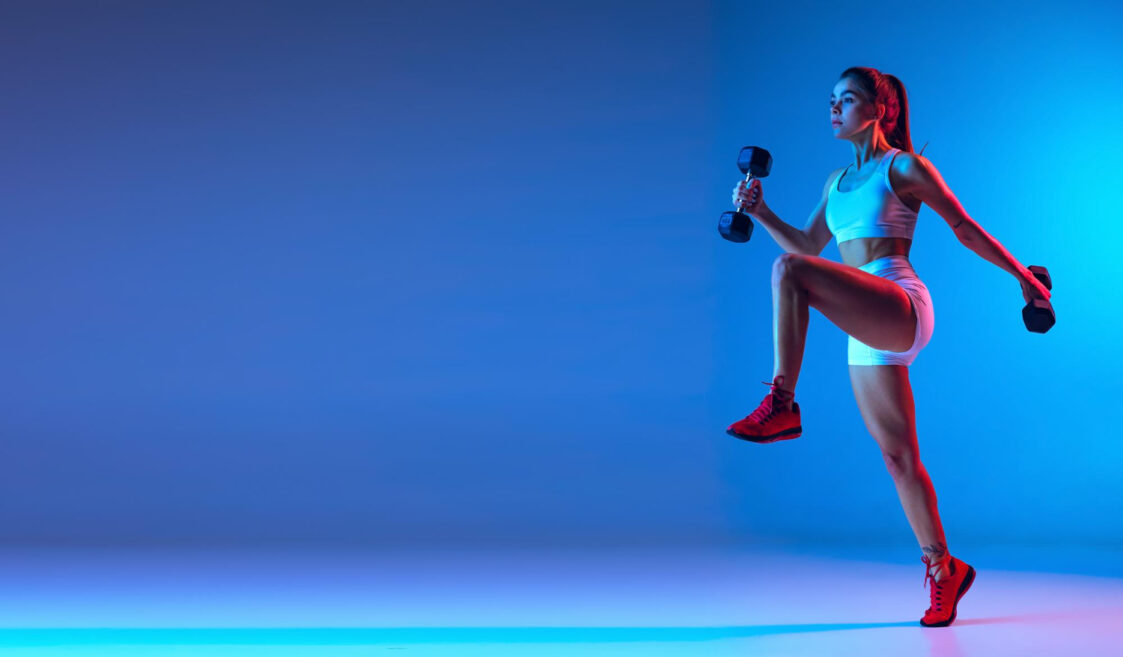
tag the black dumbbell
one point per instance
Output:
(1038, 314)
(754, 162)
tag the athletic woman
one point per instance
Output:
(875, 296)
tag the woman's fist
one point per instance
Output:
(748, 198)
(1032, 288)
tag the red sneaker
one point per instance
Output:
(771, 421)
(946, 592)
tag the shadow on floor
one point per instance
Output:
(413, 635)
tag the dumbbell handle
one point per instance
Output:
(748, 179)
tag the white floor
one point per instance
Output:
(791, 601)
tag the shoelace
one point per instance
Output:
(760, 414)
(937, 589)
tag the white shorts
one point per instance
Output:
(898, 269)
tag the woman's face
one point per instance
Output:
(851, 111)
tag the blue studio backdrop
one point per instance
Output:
(437, 273)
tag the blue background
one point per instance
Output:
(439, 273)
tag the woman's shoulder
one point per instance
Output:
(906, 172)
(907, 162)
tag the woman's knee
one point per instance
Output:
(901, 462)
(785, 267)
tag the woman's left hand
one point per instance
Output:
(1033, 288)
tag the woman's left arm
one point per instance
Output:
(922, 180)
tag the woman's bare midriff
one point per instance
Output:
(859, 251)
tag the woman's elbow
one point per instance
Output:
(966, 231)
(813, 247)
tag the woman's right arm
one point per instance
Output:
(809, 241)
(790, 238)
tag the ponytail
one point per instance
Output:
(889, 91)
(895, 123)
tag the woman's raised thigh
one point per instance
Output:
(870, 308)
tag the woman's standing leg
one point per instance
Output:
(885, 400)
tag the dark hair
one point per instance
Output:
(886, 89)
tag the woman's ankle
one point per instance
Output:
(941, 567)
(781, 383)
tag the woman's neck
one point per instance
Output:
(870, 149)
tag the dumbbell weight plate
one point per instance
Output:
(735, 226)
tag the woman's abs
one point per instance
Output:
(859, 251)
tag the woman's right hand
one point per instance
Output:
(749, 198)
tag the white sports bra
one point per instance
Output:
(871, 210)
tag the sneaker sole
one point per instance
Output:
(967, 581)
(786, 434)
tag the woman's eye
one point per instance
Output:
(848, 100)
